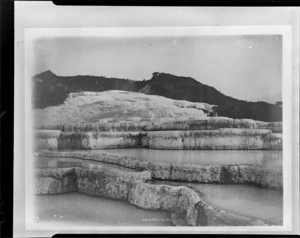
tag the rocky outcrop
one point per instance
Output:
(186, 205)
(111, 183)
(183, 202)
(85, 140)
(222, 139)
(52, 181)
(90, 141)
(46, 139)
(108, 183)
(224, 174)
(165, 124)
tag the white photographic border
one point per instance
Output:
(32, 34)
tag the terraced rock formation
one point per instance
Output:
(186, 205)
(165, 124)
(222, 139)
(120, 119)
(224, 174)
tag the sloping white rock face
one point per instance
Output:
(118, 105)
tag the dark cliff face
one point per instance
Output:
(51, 90)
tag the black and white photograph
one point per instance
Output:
(183, 129)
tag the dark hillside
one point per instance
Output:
(50, 90)
(185, 88)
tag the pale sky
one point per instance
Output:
(244, 67)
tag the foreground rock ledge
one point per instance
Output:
(186, 205)
(221, 139)
(230, 174)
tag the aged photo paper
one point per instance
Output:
(154, 128)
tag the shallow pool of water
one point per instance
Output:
(61, 162)
(85, 210)
(249, 200)
(267, 158)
